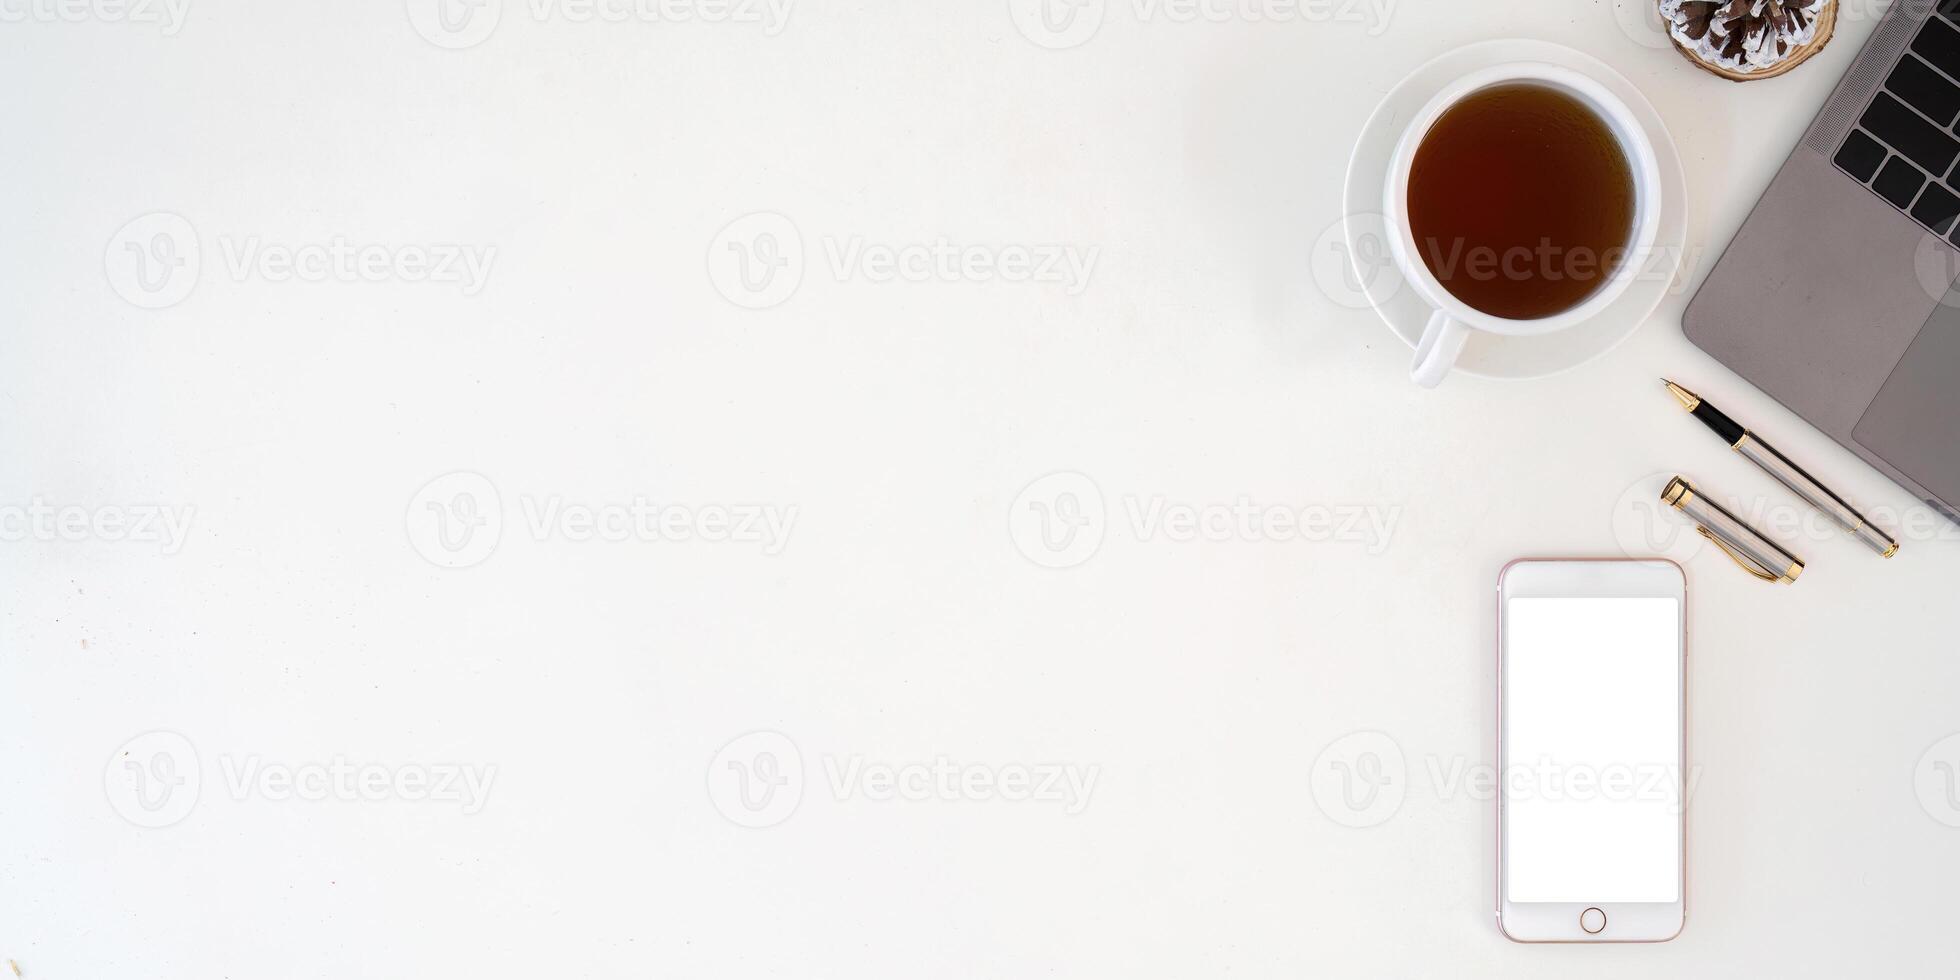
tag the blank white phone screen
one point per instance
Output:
(1592, 749)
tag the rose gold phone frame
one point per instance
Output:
(1497, 878)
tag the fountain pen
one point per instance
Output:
(1787, 473)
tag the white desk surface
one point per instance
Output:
(295, 627)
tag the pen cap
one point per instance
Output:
(1757, 554)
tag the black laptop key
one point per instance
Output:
(1939, 43)
(1860, 155)
(1925, 89)
(1899, 182)
(1936, 209)
(1950, 9)
(1923, 143)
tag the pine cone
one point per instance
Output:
(1744, 39)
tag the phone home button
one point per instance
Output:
(1592, 920)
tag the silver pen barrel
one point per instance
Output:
(1814, 493)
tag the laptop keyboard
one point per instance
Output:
(1904, 146)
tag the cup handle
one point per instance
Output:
(1442, 342)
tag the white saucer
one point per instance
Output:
(1488, 355)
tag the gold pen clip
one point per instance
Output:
(1748, 565)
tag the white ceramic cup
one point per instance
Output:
(1452, 319)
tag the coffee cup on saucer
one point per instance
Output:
(1521, 200)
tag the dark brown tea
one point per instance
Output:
(1521, 201)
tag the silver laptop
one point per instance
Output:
(1838, 296)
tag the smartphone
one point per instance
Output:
(1592, 750)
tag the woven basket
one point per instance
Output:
(1826, 25)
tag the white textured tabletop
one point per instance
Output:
(447, 535)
